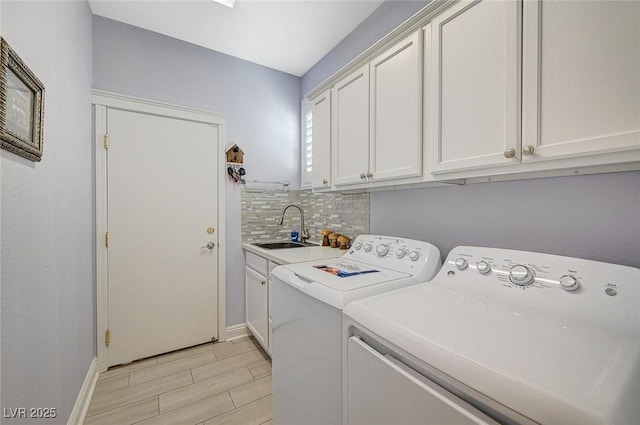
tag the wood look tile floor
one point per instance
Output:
(211, 384)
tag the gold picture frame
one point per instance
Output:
(21, 106)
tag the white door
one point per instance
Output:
(321, 142)
(161, 200)
(350, 128)
(474, 85)
(396, 111)
(581, 78)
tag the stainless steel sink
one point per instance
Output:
(282, 245)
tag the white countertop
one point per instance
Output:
(295, 255)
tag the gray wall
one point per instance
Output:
(262, 107)
(47, 278)
(595, 217)
(382, 21)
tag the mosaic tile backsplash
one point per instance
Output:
(347, 214)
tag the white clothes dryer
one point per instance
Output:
(307, 300)
(498, 336)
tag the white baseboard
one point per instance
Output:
(236, 331)
(84, 396)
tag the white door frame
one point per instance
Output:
(101, 101)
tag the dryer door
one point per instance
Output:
(381, 391)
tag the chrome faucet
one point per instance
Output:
(304, 233)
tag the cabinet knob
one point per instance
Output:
(324, 181)
(363, 176)
(528, 150)
(262, 282)
(369, 175)
(510, 153)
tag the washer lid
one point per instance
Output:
(344, 275)
(357, 280)
(548, 368)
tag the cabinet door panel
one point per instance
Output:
(382, 390)
(321, 142)
(474, 85)
(350, 127)
(396, 111)
(581, 78)
(256, 298)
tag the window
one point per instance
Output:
(308, 141)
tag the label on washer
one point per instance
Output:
(344, 269)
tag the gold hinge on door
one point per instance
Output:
(107, 337)
(106, 141)
(106, 239)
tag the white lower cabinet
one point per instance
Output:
(257, 306)
(257, 275)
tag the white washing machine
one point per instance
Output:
(498, 336)
(307, 300)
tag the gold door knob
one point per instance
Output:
(210, 230)
(510, 153)
(528, 150)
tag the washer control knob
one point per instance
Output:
(382, 250)
(569, 283)
(401, 252)
(521, 275)
(357, 246)
(461, 263)
(414, 255)
(484, 267)
(367, 247)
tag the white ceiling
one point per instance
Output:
(287, 35)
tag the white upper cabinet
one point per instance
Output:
(321, 143)
(377, 117)
(473, 86)
(396, 111)
(350, 129)
(581, 79)
(477, 89)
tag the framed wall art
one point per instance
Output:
(21, 106)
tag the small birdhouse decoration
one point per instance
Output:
(235, 154)
(235, 159)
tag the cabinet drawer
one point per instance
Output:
(257, 263)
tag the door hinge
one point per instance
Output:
(107, 337)
(106, 141)
(106, 239)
